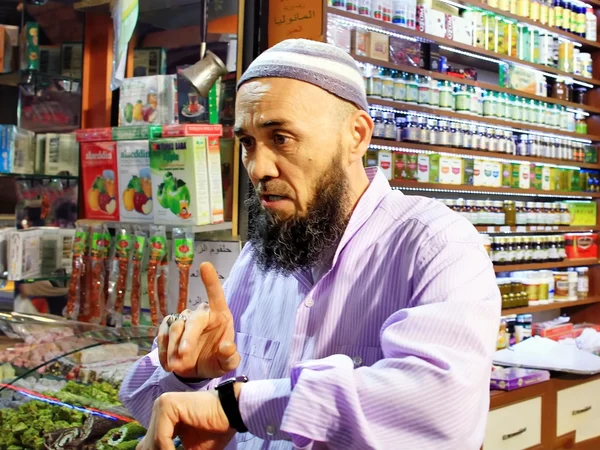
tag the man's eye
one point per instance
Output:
(246, 142)
(280, 139)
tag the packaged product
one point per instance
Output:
(119, 269)
(30, 47)
(148, 100)
(40, 154)
(468, 171)
(157, 274)
(149, 61)
(78, 272)
(379, 45)
(423, 168)
(186, 175)
(17, 150)
(456, 171)
(403, 51)
(446, 176)
(99, 177)
(537, 176)
(384, 161)
(137, 256)
(431, 21)
(183, 250)
(545, 178)
(582, 213)
(359, 42)
(24, 253)
(462, 30)
(61, 154)
(581, 245)
(95, 303)
(506, 174)
(411, 166)
(135, 181)
(72, 59)
(434, 168)
(399, 167)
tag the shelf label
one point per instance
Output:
(491, 229)
(521, 229)
(505, 229)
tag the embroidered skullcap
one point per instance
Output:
(322, 65)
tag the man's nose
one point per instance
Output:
(261, 164)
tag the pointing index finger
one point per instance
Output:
(216, 296)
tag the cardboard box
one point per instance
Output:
(403, 51)
(524, 176)
(431, 21)
(62, 154)
(456, 171)
(430, 57)
(371, 158)
(30, 48)
(385, 163)
(581, 245)
(468, 171)
(17, 150)
(24, 254)
(360, 42)
(583, 213)
(135, 181)
(462, 30)
(478, 175)
(399, 160)
(180, 187)
(149, 61)
(411, 169)
(148, 101)
(446, 176)
(340, 36)
(72, 60)
(9, 49)
(379, 45)
(506, 174)
(434, 168)
(423, 168)
(545, 178)
(99, 180)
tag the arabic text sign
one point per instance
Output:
(290, 19)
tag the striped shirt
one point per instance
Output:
(390, 349)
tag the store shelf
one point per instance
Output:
(480, 84)
(479, 154)
(484, 190)
(549, 265)
(197, 229)
(426, 37)
(586, 44)
(37, 176)
(10, 78)
(41, 277)
(551, 306)
(531, 229)
(485, 121)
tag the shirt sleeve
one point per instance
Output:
(431, 389)
(146, 381)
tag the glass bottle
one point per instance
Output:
(510, 213)
(424, 90)
(412, 89)
(519, 253)
(511, 252)
(492, 141)
(375, 84)
(520, 213)
(481, 213)
(378, 125)
(531, 214)
(387, 84)
(539, 213)
(424, 131)
(456, 138)
(474, 137)
(473, 215)
(434, 94)
(527, 250)
(389, 126)
(400, 87)
(483, 139)
(411, 132)
(473, 100)
(444, 134)
(446, 97)
(432, 125)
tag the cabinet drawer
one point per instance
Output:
(515, 427)
(578, 409)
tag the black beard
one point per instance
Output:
(287, 245)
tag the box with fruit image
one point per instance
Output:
(135, 185)
(99, 179)
(180, 189)
(148, 100)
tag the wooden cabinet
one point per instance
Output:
(560, 414)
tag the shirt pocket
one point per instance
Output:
(361, 355)
(257, 355)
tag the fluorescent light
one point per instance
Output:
(460, 191)
(472, 55)
(358, 24)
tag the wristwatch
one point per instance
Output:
(230, 403)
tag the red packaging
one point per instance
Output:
(581, 245)
(100, 188)
(94, 134)
(195, 129)
(556, 333)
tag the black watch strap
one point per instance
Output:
(190, 380)
(230, 404)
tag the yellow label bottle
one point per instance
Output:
(534, 10)
(544, 13)
(558, 16)
(523, 8)
(566, 19)
(551, 21)
(513, 7)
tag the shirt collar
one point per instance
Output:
(368, 202)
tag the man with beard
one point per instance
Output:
(355, 318)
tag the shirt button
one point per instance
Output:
(357, 360)
(309, 303)
(271, 430)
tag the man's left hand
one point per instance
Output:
(196, 417)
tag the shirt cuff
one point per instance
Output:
(262, 405)
(170, 383)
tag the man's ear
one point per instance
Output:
(362, 129)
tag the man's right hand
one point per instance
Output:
(203, 345)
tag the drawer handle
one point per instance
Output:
(581, 411)
(506, 437)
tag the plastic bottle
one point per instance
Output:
(590, 25)
(400, 12)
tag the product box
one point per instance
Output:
(385, 163)
(573, 180)
(430, 57)
(468, 171)
(9, 48)
(72, 60)
(581, 245)
(462, 30)
(24, 254)
(149, 62)
(446, 176)
(434, 168)
(493, 172)
(403, 51)
(360, 42)
(478, 175)
(30, 47)
(371, 158)
(62, 154)
(148, 100)
(50, 59)
(590, 154)
(536, 176)
(506, 174)
(431, 21)
(399, 160)
(552, 332)
(582, 213)
(510, 378)
(474, 20)
(135, 133)
(524, 176)
(423, 168)
(379, 45)
(456, 173)
(192, 108)
(17, 150)
(339, 35)
(40, 153)
(180, 188)
(99, 180)
(545, 178)
(412, 160)
(521, 79)
(135, 183)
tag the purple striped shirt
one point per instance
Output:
(390, 349)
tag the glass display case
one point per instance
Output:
(60, 383)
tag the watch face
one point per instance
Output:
(238, 379)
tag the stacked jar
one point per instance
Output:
(506, 250)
